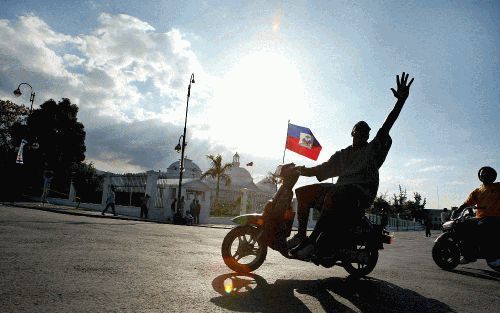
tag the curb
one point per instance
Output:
(124, 218)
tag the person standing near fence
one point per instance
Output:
(144, 206)
(48, 175)
(173, 207)
(192, 207)
(197, 210)
(110, 201)
(428, 226)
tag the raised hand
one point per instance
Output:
(403, 89)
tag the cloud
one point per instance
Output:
(415, 161)
(435, 168)
(100, 72)
(129, 81)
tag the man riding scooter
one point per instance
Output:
(343, 204)
(481, 230)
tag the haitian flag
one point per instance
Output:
(301, 140)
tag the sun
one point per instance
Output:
(254, 101)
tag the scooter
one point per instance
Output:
(244, 248)
(449, 247)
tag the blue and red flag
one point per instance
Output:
(301, 140)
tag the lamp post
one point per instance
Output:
(18, 93)
(181, 148)
(34, 145)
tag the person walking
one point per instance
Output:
(181, 206)
(445, 216)
(428, 226)
(110, 201)
(196, 213)
(144, 206)
(173, 207)
(48, 175)
(192, 207)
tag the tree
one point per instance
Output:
(12, 120)
(399, 201)
(416, 206)
(273, 179)
(12, 130)
(61, 140)
(217, 171)
(381, 204)
(87, 182)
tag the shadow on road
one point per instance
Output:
(252, 293)
(486, 274)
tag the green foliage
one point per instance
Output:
(61, 144)
(217, 171)
(12, 130)
(87, 182)
(400, 204)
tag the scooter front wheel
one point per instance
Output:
(364, 261)
(243, 249)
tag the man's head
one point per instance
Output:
(445, 209)
(487, 175)
(360, 133)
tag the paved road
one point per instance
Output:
(51, 262)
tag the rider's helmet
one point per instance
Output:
(487, 175)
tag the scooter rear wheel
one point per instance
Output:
(243, 249)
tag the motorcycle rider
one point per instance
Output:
(343, 203)
(481, 229)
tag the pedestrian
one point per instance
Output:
(428, 226)
(48, 175)
(445, 216)
(110, 201)
(192, 207)
(144, 206)
(196, 213)
(173, 207)
(181, 206)
(384, 218)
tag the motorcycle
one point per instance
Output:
(244, 248)
(449, 247)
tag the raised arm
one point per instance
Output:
(401, 94)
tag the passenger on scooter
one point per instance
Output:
(343, 204)
(482, 229)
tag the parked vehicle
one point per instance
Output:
(244, 248)
(449, 248)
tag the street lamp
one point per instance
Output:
(181, 148)
(18, 93)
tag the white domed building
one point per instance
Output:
(191, 169)
(241, 187)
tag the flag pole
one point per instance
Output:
(288, 125)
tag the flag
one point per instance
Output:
(250, 164)
(19, 159)
(301, 140)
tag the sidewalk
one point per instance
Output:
(70, 210)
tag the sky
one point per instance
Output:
(257, 65)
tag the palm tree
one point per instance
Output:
(219, 171)
(273, 179)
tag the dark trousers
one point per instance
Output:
(196, 218)
(340, 207)
(427, 231)
(144, 211)
(112, 205)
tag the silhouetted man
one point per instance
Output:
(343, 203)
